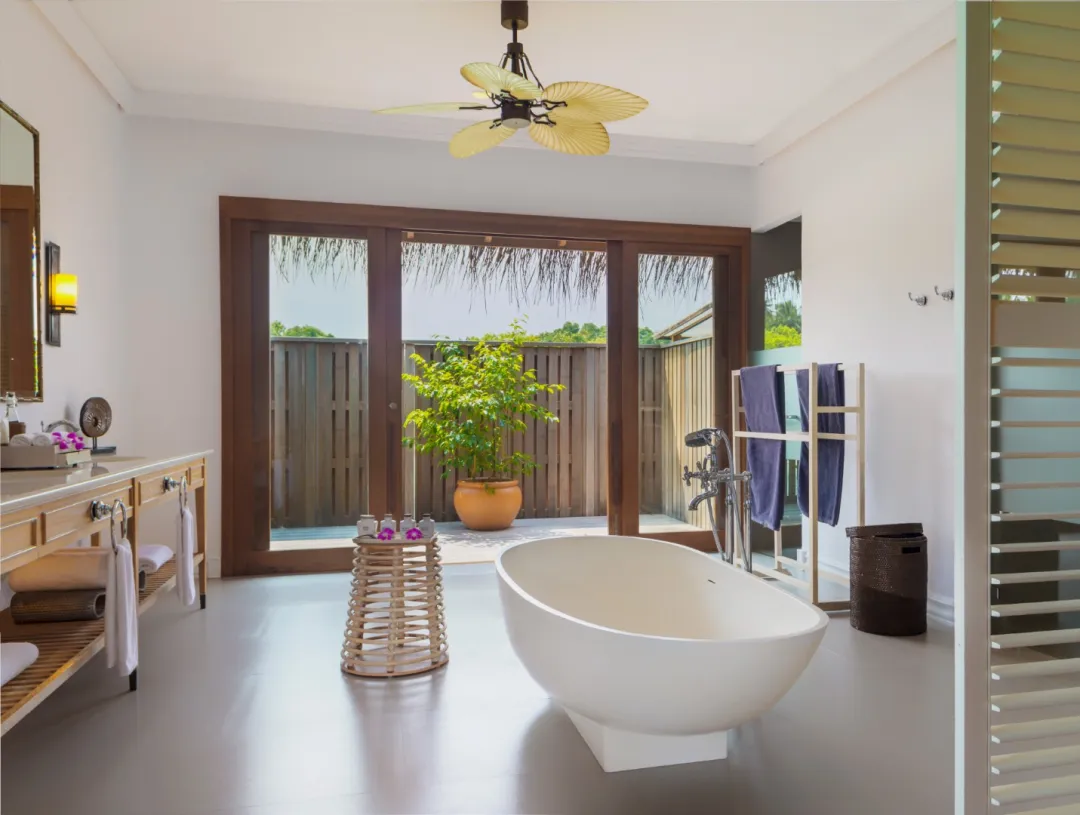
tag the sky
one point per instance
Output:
(340, 308)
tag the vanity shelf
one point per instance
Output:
(42, 512)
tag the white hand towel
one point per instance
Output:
(21, 440)
(16, 657)
(121, 611)
(185, 558)
(152, 556)
(42, 440)
(66, 570)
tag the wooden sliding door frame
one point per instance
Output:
(245, 227)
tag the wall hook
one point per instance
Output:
(921, 300)
(946, 294)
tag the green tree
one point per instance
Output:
(782, 336)
(785, 313)
(278, 329)
(572, 333)
(647, 337)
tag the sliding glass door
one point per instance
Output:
(547, 298)
(677, 378)
(319, 407)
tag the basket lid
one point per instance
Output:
(883, 530)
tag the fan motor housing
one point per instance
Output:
(515, 12)
(516, 115)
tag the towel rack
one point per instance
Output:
(785, 569)
(123, 522)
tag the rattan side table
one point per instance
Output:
(396, 624)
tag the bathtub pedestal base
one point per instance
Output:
(618, 750)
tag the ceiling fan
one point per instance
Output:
(566, 116)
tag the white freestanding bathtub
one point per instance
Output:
(654, 650)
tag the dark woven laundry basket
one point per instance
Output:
(888, 579)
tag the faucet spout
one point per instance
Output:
(696, 501)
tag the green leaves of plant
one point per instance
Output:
(478, 396)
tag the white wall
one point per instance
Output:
(179, 168)
(82, 180)
(875, 189)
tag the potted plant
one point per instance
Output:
(479, 397)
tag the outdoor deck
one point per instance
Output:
(460, 545)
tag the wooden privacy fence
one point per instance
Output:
(319, 432)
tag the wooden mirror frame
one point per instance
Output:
(37, 394)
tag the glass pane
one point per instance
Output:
(776, 339)
(675, 384)
(318, 390)
(475, 291)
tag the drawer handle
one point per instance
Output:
(169, 484)
(100, 510)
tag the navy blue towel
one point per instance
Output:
(763, 398)
(830, 451)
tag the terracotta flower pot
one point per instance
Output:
(487, 505)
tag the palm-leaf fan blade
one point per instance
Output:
(577, 139)
(434, 107)
(477, 138)
(589, 102)
(494, 79)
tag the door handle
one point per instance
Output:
(393, 406)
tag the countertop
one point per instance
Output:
(20, 489)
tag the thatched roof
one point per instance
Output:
(526, 274)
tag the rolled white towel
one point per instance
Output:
(152, 556)
(16, 657)
(64, 570)
(32, 440)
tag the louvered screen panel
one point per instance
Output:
(1034, 693)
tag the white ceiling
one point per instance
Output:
(714, 72)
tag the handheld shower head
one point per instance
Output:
(699, 438)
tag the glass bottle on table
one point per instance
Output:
(427, 526)
(11, 416)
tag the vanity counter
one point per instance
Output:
(22, 489)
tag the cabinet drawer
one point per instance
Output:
(197, 474)
(19, 536)
(153, 487)
(71, 518)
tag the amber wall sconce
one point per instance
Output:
(61, 294)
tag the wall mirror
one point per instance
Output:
(20, 245)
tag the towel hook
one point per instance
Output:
(123, 521)
(921, 300)
(945, 294)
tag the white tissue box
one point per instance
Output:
(40, 458)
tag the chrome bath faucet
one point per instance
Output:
(711, 476)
